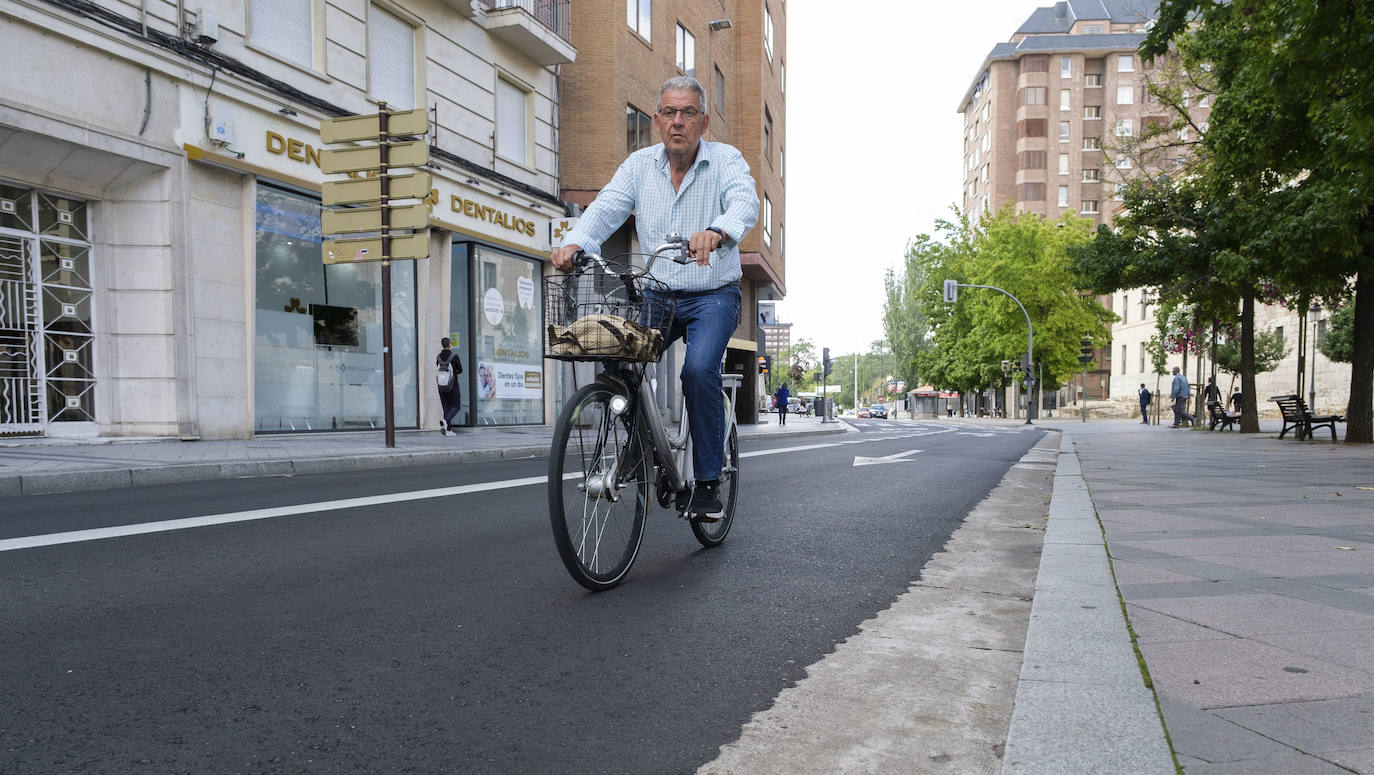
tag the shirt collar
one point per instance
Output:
(703, 154)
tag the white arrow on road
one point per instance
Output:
(897, 458)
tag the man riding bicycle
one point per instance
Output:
(685, 185)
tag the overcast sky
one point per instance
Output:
(874, 151)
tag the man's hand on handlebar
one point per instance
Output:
(701, 245)
(563, 257)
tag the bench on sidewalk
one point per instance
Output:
(1296, 416)
(1219, 416)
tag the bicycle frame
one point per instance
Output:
(674, 453)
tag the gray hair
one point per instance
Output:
(683, 83)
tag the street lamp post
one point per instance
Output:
(1312, 383)
(952, 294)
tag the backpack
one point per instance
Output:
(443, 374)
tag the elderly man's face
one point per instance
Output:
(681, 121)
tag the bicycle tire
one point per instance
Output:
(598, 537)
(713, 533)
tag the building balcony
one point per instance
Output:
(539, 29)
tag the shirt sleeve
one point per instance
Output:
(738, 200)
(612, 206)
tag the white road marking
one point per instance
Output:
(896, 458)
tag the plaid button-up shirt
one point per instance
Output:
(717, 191)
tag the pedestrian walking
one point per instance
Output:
(1144, 404)
(1179, 392)
(447, 367)
(1235, 401)
(780, 400)
(1212, 394)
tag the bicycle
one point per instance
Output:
(610, 446)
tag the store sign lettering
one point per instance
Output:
(490, 215)
(303, 152)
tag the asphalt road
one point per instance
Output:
(441, 634)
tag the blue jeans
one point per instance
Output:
(706, 319)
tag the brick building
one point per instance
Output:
(737, 49)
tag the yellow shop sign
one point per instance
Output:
(481, 212)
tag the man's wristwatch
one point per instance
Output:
(717, 231)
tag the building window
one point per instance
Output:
(1183, 133)
(1125, 313)
(985, 111)
(767, 221)
(1092, 143)
(720, 89)
(1063, 196)
(1091, 80)
(639, 14)
(686, 51)
(985, 173)
(782, 163)
(1125, 128)
(986, 142)
(1033, 95)
(1091, 112)
(768, 32)
(1031, 160)
(638, 129)
(1065, 67)
(1278, 332)
(1118, 195)
(1063, 164)
(1142, 357)
(1092, 29)
(1125, 95)
(1123, 163)
(391, 59)
(1123, 359)
(1064, 96)
(507, 344)
(1039, 63)
(1205, 100)
(767, 134)
(1063, 131)
(318, 327)
(1125, 63)
(1031, 127)
(1031, 192)
(1089, 206)
(782, 77)
(512, 122)
(286, 28)
(1092, 175)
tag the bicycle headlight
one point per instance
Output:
(619, 404)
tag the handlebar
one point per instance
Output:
(672, 242)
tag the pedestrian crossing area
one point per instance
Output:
(907, 429)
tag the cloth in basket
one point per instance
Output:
(606, 336)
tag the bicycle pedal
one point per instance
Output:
(706, 518)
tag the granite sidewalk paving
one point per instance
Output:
(1246, 567)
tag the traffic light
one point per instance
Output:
(951, 291)
(1085, 350)
(826, 366)
(765, 363)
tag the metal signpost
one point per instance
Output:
(952, 295)
(401, 230)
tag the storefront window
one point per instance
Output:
(508, 339)
(318, 342)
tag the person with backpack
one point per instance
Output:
(447, 367)
(780, 400)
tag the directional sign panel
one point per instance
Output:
(415, 185)
(349, 129)
(347, 251)
(412, 154)
(411, 216)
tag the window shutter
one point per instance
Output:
(286, 28)
(510, 121)
(391, 54)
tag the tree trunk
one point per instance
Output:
(1359, 418)
(1249, 412)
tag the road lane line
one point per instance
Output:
(119, 531)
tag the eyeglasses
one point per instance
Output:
(688, 114)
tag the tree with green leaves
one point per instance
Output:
(1290, 134)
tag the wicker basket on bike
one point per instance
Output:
(605, 311)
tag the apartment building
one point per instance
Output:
(777, 336)
(160, 185)
(737, 49)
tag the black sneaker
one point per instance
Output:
(706, 499)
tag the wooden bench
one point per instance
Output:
(1297, 417)
(1219, 416)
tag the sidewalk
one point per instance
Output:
(1246, 567)
(38, 466)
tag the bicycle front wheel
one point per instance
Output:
(713, 533)
(598, 486)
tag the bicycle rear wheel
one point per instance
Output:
(713, 533)
(598, 486)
